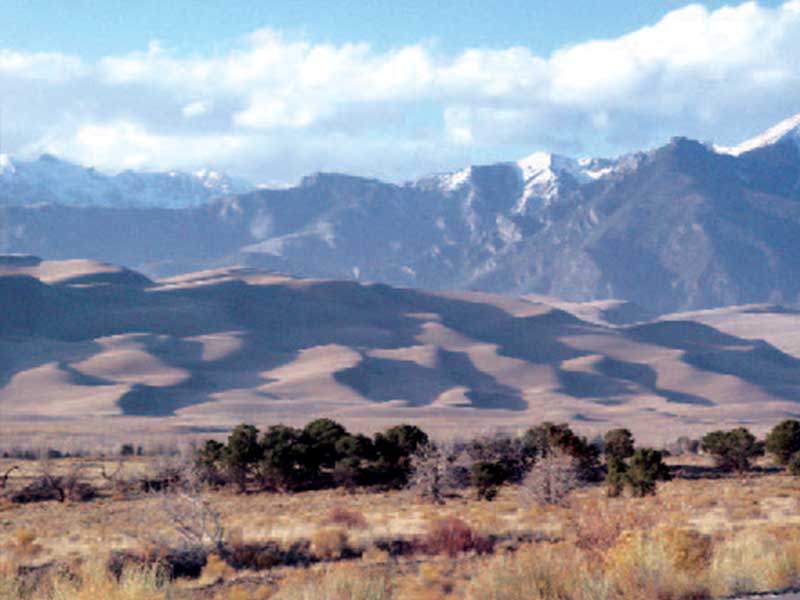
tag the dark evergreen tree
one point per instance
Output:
(784, 440)
(242, 452)
(618, 444)
(732, 450)
(645, 469)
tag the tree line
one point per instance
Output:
(325, 454)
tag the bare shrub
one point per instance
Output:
(50, 486)
(196, 522)
(170, 472)
(551, 479)
(596, 525)
(435, 469)
(4, 478)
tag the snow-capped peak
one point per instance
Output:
(52, 180)
(542, 175)
(787, 129)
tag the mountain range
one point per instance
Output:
(684, 226)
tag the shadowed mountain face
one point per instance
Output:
(681, 227)
(85, 339)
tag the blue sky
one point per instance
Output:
(93, 29)
(274, 90)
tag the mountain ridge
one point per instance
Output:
(49, 179)
(680, 227)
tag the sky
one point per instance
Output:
(272, 91)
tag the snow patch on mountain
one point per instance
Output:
(787, 129)
(544, 176)
(52, 180)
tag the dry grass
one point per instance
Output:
(696, 538)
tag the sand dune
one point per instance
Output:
(81, 340)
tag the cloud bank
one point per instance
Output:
(273, 108)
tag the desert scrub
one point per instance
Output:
(339, 582)
(91, 581)
(329, 542)
(656, 564)
(538, 572)
(432, 581)
(758, 559)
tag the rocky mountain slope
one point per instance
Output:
(685, 226)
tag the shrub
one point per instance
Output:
(732, 450)
(597, 525)
(486, 477)
(127, 450)
(616, 476)
(503, 450)
(645, 469)
(548, 438)
(538, 572)
(348, 472)
(208, 462)
(393, 449)
(62, 488)
(784, 440)
(794, 465)
(551, 479)
(241, 453)
(618, 444)
(320, 437)
(355, 446)
(93, 580)
(285, 463)
(430, 471)
(406, 438)
(754, 560)
(640, 566)
(452, 536)
(329, 542)
(349, 519)
(338, 582)
(688, 550)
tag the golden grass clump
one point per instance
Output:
(329, 542)
(216, 570)
(537, 572)
(433, 581)
(338, 582)
(646, 565)
(23, 544)
(688, 551)
(92, 581)
(756, 559)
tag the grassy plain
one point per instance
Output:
(701, 536)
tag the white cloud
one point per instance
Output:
(273, 107)
(195, 109)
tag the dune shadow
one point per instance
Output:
(708, 349)
(647, 377)
(385, 380)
